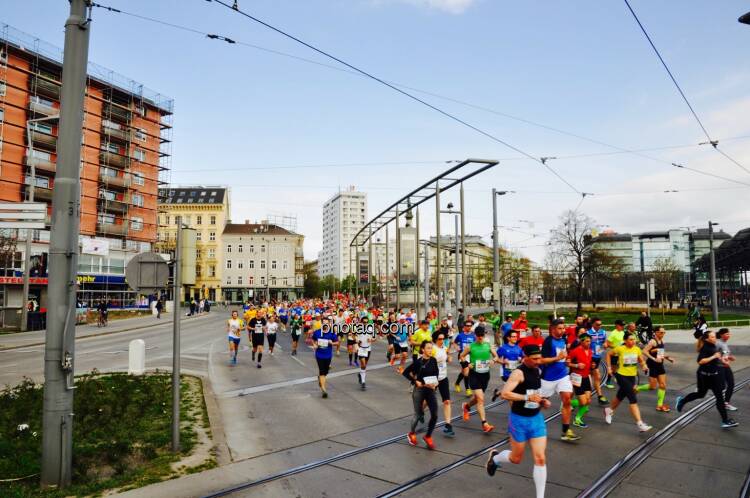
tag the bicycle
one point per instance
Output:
(102, 322)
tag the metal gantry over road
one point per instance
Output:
(453, 176)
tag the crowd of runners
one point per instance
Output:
(571, 361)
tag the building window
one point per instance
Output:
(198, 271)
(42, 127)
(138, 179)
(239, 280)
(198, 235)
(213, 220)
(186, 219)
(141, 109)
(106, 218)
(262, 264)
(138, 200)
(273, 281)
(39, 181)
(240, 264)
(252, 248)
(229, 248)
(199, 220)
(211, 253)
(250, 280)
(251, 264)
(229, 281)
(139, 155)
(212, 270)
(211, 236)
(2, 89)
(229, 264)
(110, 147)
(2, 114)
(273, 264)
(263, 248)
(197, 254)
(136, 223)
(285, 265)
(140, 134)
(40, 154)
(262, 280)
(239, 247)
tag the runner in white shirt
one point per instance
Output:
(271, 329)
(441, 352)
(365, 337)
(234, 331)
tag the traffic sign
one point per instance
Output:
(147, 272)
(23, 215)
(487, 294)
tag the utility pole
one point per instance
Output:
(426, 278)
(496, 290)
(438, 269)
(464, 280)
(458, 267)
(387, 272)
(59, 351)
(177, 297)
(398, 262)
(712, 256)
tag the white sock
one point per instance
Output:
(363, 373)
(540, 479)
(502, 457)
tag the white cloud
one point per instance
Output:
(450, 6)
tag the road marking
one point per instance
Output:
(298, 360)
(294, 382)
(21, 350)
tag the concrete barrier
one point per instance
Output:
(137, 357)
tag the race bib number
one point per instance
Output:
(511, 365)
(431, 380)
(660, 353)
(442, 371)
(558, 351)
(630, 359)
(482, 366)
(404, 344)
(271, 331)
(531, 405)
(576, 379)
(598, 349)
(522, 334)
(323, 343)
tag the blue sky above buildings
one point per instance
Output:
(579, 66)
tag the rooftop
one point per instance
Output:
(192, 195)
(255, 229)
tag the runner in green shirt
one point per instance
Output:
(481, 356)
(419, 336)
(615, 340)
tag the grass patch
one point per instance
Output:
(121, 433)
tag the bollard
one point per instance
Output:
(137, 357)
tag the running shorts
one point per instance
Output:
(479, 380)
(397, 349)
(550, 387)
(655, 369)
(626, 388)
(464, 364)
(351, 342)
(523, 428)
(595, 362)
(391, 340)
(271, 340)
(257, 339)
(324, 364)
(614, 361)
(295, 335)
(445, 390)
(284, 319)
(363, 353)
(235, 340)
(584, 387)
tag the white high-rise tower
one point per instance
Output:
(344, 215)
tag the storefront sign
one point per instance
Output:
(81, 279)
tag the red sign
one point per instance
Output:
(19, 280)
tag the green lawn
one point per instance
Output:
(121, 433)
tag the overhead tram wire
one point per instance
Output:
(616, 149)
(712, 142)
(395, 88)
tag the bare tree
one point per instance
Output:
(666, 273)
(8, 253)
(571, 240)
(554, 274)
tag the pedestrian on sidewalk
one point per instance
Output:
(159, 306)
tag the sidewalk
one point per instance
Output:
(37, 337)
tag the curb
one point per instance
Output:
(98, 334)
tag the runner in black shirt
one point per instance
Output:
(424, 372)
(256, 328)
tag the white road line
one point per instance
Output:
(294, 382)
(297, 360)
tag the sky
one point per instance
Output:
(287, 134)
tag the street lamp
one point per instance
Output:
(495, 256)
(27, 250)
(459, 269)
(712, 258)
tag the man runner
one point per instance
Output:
(256, 327)
(598, 340)
(555, 378)
(481, 355)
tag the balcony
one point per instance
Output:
(40, 193)
(113, 206)
(40, 164)
(43, 140)
(113, 134)
(107, 158)
(45, 88)
(43, 109)
(118, 182)
(112, 229)
(115, 112)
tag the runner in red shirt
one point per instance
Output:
(521, 325)
(572, 331)
(580, 363)
(534, 338)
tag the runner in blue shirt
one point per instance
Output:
(282, 312)
(555, 378)
(598, 342)
(506, 327)
(464, 339)
(323, 341)
(510, 356)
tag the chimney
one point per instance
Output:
(247, 222)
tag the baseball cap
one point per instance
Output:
(531, 350)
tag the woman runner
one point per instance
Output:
(709, 358)
(657, 375)
(323, 342)
(725, 367)
(234, 330)
(424, 372)
(271, 329)
(580, 361)
(295, 326)
(441, 352)
(628, 357)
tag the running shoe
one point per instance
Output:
(663, 408)
(729, 423)
(467, 414)
(495, 395)
(259, 366)
(580, 423)
(412, 437)
(448, 431)
(680, 403)
(393, 361)
(324, 394)
(469, 392)
(643, 427)
(570, 436)
(491, 466)
(359, 379)
(429, 442)
(400, 370)
(388, 356)
(603, 400)
(608, 412)
(730, 408)
(364, 386)
(457, 387)
(487, 428)
(610, 385)
(338, 353)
